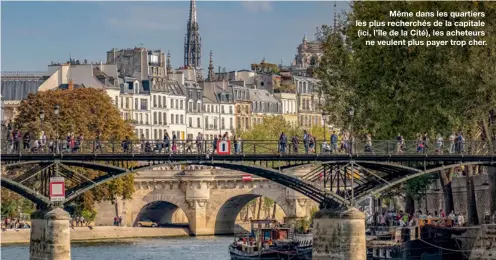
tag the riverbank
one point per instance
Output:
(83, 234)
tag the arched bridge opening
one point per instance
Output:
(162, 214)
(234, 215)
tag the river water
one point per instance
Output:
(187, 248)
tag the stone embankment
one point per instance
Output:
(82, 234)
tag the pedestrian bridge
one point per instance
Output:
(339, 178)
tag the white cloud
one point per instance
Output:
(257, 6)
(148, 18)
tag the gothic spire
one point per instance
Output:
(168, 65)
(211, 68)
(192, 41)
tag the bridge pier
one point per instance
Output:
(50, 235)
(339, 234)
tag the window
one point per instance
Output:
(165, 103)
(122, 103)
(198, 94)
(215, 123)
(144, 105)
(136, 105)
(159, 102)
(222, 108)
(155, 118)
(172, 103)
(147, 121)
(126, 116)
(206, 122)
(190, 106)
(165, 118)
(182, 119)
(172, 118)
(141, 118)
(177, 104)
(155, 134)
(159, 118)
(177, 119)
(116, 101)
(230, 123)
(154, 101)
(190, 123)
(190, 94)
(147, 135)
(198, 122)
(181, 106)
(223, 123)
(230, 110)
(127, 102)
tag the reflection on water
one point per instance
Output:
(188, 248)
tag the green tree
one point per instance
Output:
(407, 90)
(83, 111)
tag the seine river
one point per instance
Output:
(188, 248)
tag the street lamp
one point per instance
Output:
(56, 111)
(324, 117)
(42, 117)
(351, 113)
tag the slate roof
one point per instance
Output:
(19, 87)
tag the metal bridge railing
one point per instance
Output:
(247, 147)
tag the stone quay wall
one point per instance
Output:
(435, 197)
(82, 234)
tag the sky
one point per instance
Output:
(238, 33)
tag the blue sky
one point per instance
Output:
(239, 33)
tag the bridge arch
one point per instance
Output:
(26, 192)
(163, 213)
(223, 210)
(301, 186)
(158, 206)
(419, 173)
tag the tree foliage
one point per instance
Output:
(409, 89)
(82, 111)
(400, 89)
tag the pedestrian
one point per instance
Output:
(174, 145)
(125, 144)
(199, 143)
(452, 139)
(283, 140)
(334, 142)
(214, 144)
(439, 144)
(115, 221)
(399, 143)
(98, 143)
(26, 141)
(120, 220)
(295, 141)
(306, 140)
(167, 142)
(368, 143)
(189, 142)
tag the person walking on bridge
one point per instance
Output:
(334, 142)
(283, 140)
(452, 139)
(295, 143)
(199, 143)
(306, 139)
(400, 142)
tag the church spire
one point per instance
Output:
(211, 68)
(192, 41)
(168, 64)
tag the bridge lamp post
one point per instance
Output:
(56, 111)
(351, 112)
(42, 117)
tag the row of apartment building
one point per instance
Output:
(159, 99)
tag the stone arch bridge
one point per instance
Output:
(211, 199)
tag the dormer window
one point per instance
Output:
(136, 88)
